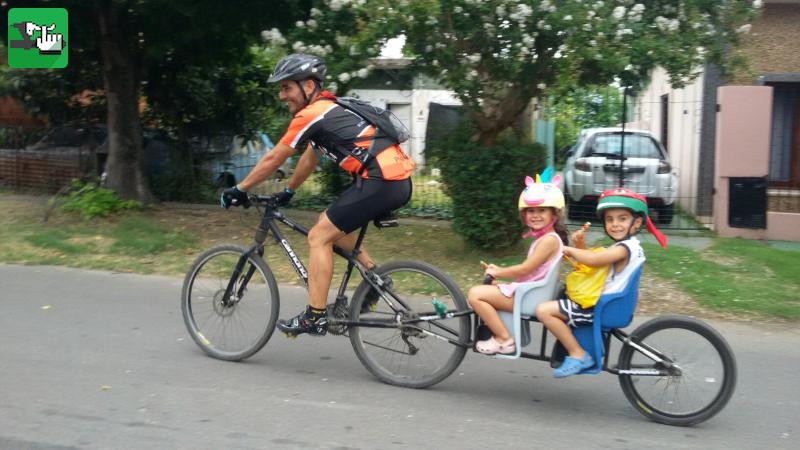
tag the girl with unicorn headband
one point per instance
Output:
(540, 205)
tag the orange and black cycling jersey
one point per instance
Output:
(336, 133)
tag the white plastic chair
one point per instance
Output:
(526, 298)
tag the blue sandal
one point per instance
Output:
(572, 366)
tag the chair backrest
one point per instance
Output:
(617, 309)
(539, 291)
(611, 311)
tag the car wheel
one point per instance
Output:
(665, 214)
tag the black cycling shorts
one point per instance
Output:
(358, 205)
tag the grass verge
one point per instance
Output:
(734, 274)
(731, 275)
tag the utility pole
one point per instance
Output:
(622, 139)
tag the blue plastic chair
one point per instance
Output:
(611, 311)
(527, 297)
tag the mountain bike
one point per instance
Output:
(407, 321)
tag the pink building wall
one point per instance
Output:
(744, 124)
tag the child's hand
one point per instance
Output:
(579, 237)
(490, 269)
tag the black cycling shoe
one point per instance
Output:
(373, 296)
(305, 322)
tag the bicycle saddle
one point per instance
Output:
(388, 220)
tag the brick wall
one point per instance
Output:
(773, 45)
(12, 115)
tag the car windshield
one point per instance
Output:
(636, 146)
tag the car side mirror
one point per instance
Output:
(567, 151)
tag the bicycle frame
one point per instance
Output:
(667, 368)
(268, 225)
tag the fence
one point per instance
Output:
(665, 217)
(24, 170)
(45, 159)
(428, 199)
(27, 164)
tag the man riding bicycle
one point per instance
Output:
(381, 184)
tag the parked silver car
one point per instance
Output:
(594, 165)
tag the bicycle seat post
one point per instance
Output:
(357, 247)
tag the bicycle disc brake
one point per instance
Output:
(220, 307)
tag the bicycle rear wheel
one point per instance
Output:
(239, 329)
(703, 382)
(409, 356)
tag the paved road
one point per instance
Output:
(102, 360)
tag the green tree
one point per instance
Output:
(190, 61)
(499, 54)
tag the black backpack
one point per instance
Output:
(385, 122)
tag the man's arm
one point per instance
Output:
(303, 169)
(266, 166)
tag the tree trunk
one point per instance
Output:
(124, 167)
(497, 115)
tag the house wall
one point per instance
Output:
(419, 101)
(683, 139)
(744, 123)
(770, 48)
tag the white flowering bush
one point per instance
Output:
(498, 54)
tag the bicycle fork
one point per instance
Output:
(258, 246)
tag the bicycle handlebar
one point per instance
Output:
(268, 200)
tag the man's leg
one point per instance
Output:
(320, 268)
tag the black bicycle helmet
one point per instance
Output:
(299, 67)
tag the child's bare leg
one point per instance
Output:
(550, 316)
(486, 300)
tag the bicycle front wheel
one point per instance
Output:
(417, 355)
(235, 329)
(703, 376)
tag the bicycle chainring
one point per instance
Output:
(337, 311)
